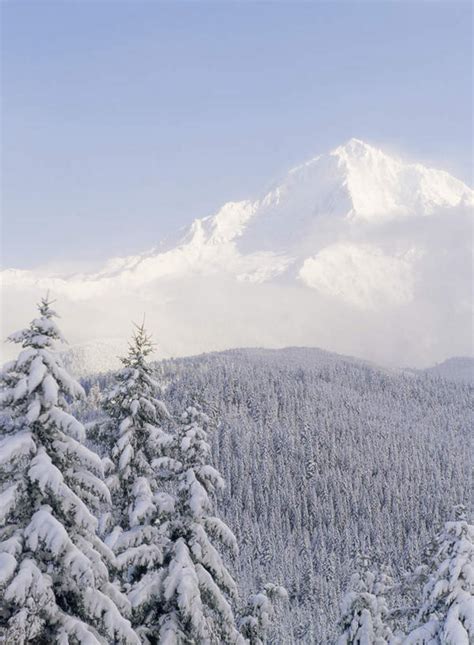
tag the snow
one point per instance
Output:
(142, 506)
(45, 474)
(260, 612)
(209, 556)
(36, 373)
(164, 502)
(125, 424)
(209, 473)
(167, 463)
(89, 482)
(100, 606)
(8, 565)
(125, 457)
(182, 580)
(50, 390)
(21, 389)
(34, 410)
(217, 527)
(149, 556)
(90, 459)
(68, 424)
(148, 587)
(355, 225)
(447, 610)
(53, 547)
(453, 631)
(28, 583)
(45, 530)
(209, 587)
(12, 545)
(198, 499)
(26, 356)
(71, 626)
(15, 446)
(381, 186)
(7, 501)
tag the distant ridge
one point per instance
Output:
(457, 368)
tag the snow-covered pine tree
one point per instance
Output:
(447, 612)
(54, 584)
(408, 590)
(197, 589)
(364, 608)
(260, 613)
(133, 428)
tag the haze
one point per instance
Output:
(122, 122)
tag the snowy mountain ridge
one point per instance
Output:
(354, 182)
(354, 228)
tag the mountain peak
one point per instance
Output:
(325, 239)
(355, 147)
(382, 186)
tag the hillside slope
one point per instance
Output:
(458, 368)
(324, 457)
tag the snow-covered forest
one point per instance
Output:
(248, 496)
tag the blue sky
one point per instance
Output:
(121, 122)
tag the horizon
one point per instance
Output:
(105, 125)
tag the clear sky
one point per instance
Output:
(122, 121)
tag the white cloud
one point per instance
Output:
(362, 275)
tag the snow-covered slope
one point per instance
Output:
(324, 455)
(353, 228)
(458, 368)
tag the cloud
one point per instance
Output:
(297, 267)
(362, 275)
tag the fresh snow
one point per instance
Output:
(55, 569)
(354, 230)
(19, 445)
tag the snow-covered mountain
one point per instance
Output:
(356, 231)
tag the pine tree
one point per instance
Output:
(364, 609)
(447, 612)
(134, 425)
(197, 589)
(260, 613)
(54, 583)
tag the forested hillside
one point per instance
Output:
(324, 457)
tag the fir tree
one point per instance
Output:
(54, 584)
(260, 613)
(197, 589)
(447, 612)
(133, 428)
(364, 609)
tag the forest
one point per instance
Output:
(248, 496)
